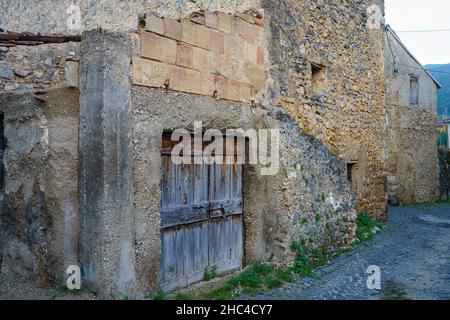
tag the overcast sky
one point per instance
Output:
(433, 47)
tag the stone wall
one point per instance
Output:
(444, 174)
(347, 111)
(309, 198)
(39, 203)
(327, 118)
(212, 54)
(38, 67)
(411, 148)
(68, 16)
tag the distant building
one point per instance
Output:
(411, 115)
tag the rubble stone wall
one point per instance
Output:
(328, 42)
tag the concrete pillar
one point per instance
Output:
(105, 150)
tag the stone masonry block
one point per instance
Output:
(212, 20)
(200, 60)
(250, 53)
(245, 92)
(246, 17)
(168, 52)
(225, 22)
(71, 71)
(154, 23)
(256, 74)
(172, 28)
(188, 32)
(186, 80)
(184, 55)
(217, 41)
(198, 18)
(234, 90)
(249, 32)
(203, 37)
(208, 85)
(261, 55)
(150, 45)
(150, 73)
(221, 85)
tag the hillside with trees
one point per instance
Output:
(442, 73)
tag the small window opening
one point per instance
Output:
(318, 78)
(414, 90)
(351, 175)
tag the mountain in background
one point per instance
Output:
(442, 74)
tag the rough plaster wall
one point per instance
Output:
(277, 209)
(412, 155)
(40, 185)
(53, 15)
(349, 115)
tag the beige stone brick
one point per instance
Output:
(186, 80)
(172, 28)
(226, 65)
(198, 18)
(188, 32)
(208, 85)
(221, 86)
(250, 32)
(150, 45)
(212, 20)
(245, 92)
(246, 17)
(200, 60)
(203, 37)
(178, 79)
(149, 73)
(250, 53)
(184, 55)
(261, 59)
(194, 81)
(168, 51)
(234, 90)
(256, 74)
(224, 22)
(213, 62)
(234, 45)
(154, 23)
(217, 41)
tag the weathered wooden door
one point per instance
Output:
(201, 220)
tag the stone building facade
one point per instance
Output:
(84, 183)
(411, 112)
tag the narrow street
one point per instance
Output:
(413, 253)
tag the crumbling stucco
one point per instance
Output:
(39, 204)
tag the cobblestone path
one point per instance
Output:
(412, 251)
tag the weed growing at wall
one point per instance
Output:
(210, 273)
(367, 227)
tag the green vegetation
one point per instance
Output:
(160, 295)
(254, 279)
(366, 226)
(210, 273)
